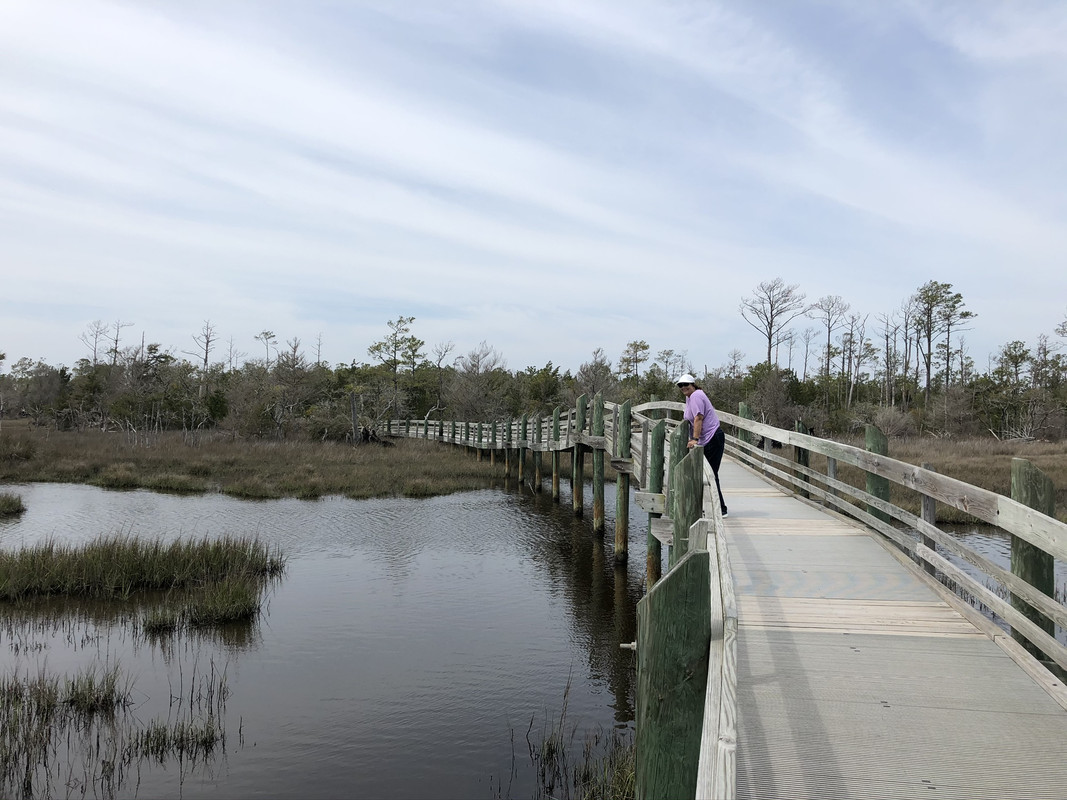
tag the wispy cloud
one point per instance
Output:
(582, 164)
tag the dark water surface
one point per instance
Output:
(403, 654)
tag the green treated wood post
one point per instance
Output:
(679, 440)
(492, 444)
(744, 412)
(578, 459)
(467, 436)
(453, 431)
(481, 428)
(877, 486)
(622, 486)
(509, 456)
(598, 466)
(407, 427)
(522, 448)
(654, 552)
(673, 644)
(1033, 488)
(687, 487)
(426, 428)
(802, 456)
(555, 454)
(538, 455)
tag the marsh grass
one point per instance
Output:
(11, 504)
(116, 566)
(601, 769)
(254, 469)
(50, 725)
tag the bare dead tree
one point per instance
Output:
(771, 308)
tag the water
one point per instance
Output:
(404, 653)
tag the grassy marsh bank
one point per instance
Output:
(255, 469)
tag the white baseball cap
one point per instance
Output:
(684, 379)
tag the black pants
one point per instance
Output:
(713, 453)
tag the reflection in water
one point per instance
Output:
(406, 645)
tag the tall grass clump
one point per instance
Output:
(11, 504)
(116, 566)
(602, 770)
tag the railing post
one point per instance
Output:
(467, 436)
(538, 454)
(679, 438)
(492, 444)
(522, 449)
(598, 466)
(744, 412)
(803, 458)
(407, 427)
(622, 485)
(1033, 488)
(453, 431)
(929, 515)
(481, 428)
(578, 459)
(877, 486)
(654, 556)
(507, 449)
(555, 454)
(831, 473)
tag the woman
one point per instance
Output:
(707, 433)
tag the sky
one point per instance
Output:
(546, 176)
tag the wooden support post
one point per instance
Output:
(507, 450)
(522, 449)
(929, 514)
(578, 460)
(744, 412)
(598, 466)
(538, 455)
(426, 428)
(453, 432)
(467, 436)
(481, 426)
(654, 467)
(622, 485)
(674, 629)
(407, 427)
(555, 454)
(803, 458)
(492, 444)
(1033, 488)
(877, 486)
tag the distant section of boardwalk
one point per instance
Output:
(858, 679)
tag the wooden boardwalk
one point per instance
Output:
(858, 677)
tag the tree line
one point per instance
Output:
(908, 371)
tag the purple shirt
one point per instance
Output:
(698, 403)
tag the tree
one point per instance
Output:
(635, 354)
(478, 388)
(829, 310)
(937, 312)
(772, 306)
(399, 348)
(205, 340)
(595, 375)
(93, 337)
(269, 339)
